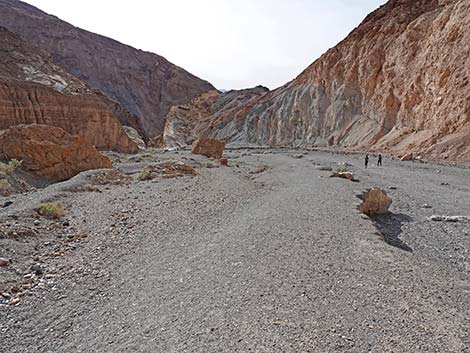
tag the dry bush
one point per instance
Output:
(111, 177)
(169, 169)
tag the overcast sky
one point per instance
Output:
(231, 43)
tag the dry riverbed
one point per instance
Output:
(268, 254)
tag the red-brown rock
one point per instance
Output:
(209, 147)
(83, 115)
(50, 151)
(375, 202)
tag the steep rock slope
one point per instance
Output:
(33, 90)
(398, 83)
(214, 114)
(22, 61)
(145, 84)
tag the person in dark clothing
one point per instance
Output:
(366, 160)
(379, 161)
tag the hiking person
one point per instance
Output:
(366, 160)
(379, 161)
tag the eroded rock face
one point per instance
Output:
(145, 84)
(215, 114)
(209, 147)
(375, 202)
(399, 83)
(23, 62)
(50, 151)
(84, 115)
(134, 136)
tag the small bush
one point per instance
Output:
(342, 170)
(10, 167)
(145, 175)
(91, 188)
(51, 210)
(4, 186)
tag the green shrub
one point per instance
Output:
(51, 209)
(4, 185)
(145, 175)
(342, 170)
(10, 167)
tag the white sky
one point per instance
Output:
(231, 43)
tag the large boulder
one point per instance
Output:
(374, 202)
(209, 147)
(133, 134)
(50, 151)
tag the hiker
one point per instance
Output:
(366, 160)
(379, 161)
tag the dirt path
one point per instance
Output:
(277, 261)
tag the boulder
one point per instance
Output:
(374, 202)
(407, 157)
(50, 151)
(344, 175)
(209, 147)
(134, 136)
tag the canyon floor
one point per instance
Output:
(267, 255)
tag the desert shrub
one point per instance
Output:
(145, 175)
(51, 209)
(4, 185)
(342, 169)
(91, 188)
(10, 167)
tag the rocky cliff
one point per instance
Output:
(398, 83)
(84, 115)
(215, 114)
(23, 62)
(145, 84)
(33, 90)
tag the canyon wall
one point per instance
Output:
(145, 84)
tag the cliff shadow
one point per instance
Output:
(390, 227)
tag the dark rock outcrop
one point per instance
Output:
(33, 90)
(145, 84)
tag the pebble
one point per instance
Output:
(37, 222)
(426, 206)
(15, 301)
(7, 203)
(4, 262)
(37, 269)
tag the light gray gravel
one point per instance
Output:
(247, 258)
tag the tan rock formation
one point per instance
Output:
(399, 83)
(214, 114)
(134, 136)
(145, 84)
(209, 147)
(84, 115)
(50, 151)
(375, 202)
